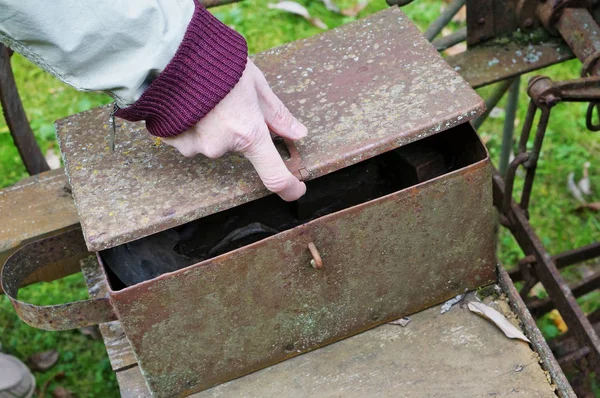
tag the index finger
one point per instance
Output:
(271, 168)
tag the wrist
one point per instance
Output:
(208, 63)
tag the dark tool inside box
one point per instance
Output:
(212, 277)
(223, 232)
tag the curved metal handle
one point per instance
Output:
(589, 116)
(316, 261)
(37, 255)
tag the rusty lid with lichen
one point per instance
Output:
(362, 89)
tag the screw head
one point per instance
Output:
(481, 21)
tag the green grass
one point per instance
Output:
(567, 146)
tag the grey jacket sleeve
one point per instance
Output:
(115, 46)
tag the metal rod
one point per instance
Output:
(443, 20)
(452, 39)
(490, 102)
(573, 356)
(539, 307)
(511, 172)
(16, 119)
(564, 259)
(540, 345)
(581, 32)
(527, 125)
(531, 164)
(548, 273)
(509, 125)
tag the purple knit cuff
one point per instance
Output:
(207, 65)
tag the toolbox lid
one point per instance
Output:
(362, 89)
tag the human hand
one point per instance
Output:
(240, 123)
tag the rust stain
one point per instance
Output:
(404, 92)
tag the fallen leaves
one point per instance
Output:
(558, 321)
(355, 9)
(42, 361)
(331, 6)
(52, 159)
(401, 322)
(574, 189)
(298, 9)
(448, 304)
(584, 184)
(582, 188)
(91, 331)
(44, 388)
(594, 206)
(489, 313)
(62, 392)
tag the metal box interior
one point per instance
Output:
(410, 245)
(392, 239)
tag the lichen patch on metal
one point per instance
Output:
(362, 89)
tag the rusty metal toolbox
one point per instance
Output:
(226, 279)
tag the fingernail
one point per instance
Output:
(298, 129)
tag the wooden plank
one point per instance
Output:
(34, 208)
(457, 354)
(16, 119)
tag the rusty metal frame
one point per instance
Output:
(490, 35)
(15, 117)
(485, 44)
(539, 265)
(577, 26)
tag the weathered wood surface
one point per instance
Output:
(16, 119)
(458, 354)
(37, 207)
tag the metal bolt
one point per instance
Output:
(481, 21)
(528, 23)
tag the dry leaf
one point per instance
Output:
(448, 304)
(461, 15)
(355, 9)
(497, 113)
(558, 321)
(92, 331)
(498, 319)
(402, 321)
(584, 184)
(61, 392)
(574, 189)
(298, 9)
(44, 388)
(519, 368)
(331, 6)
(42, 361)
(456, 49)
(594, 206)
(52, 159)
